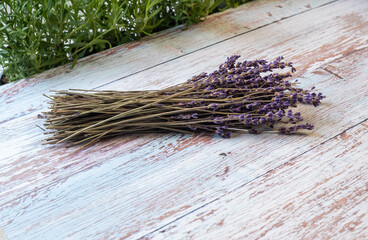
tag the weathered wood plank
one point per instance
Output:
(2, 235)
(25, 97)
(158, 182)
(103, 180)
(21, 140)
(321, 194)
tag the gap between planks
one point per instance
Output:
(324, 67)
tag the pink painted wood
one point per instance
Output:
(321, 194)
(166, 185)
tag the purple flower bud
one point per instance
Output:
(214, 106)
(238, 109)
(218, 120)
(280, 114)
(298, 117)
(294, 96)
(279, 59)
(255, 121)
(289, 113)
(253, 131)
(226, 134)
(286, 104)
(308, 126)
(221, 131)
(192, 127)
(269, 116)
(282, 130)
(262, 120)
(209, 88)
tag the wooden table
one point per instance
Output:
(175, 186)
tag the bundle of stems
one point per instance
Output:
(249, 96)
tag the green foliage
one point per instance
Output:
(36, 35)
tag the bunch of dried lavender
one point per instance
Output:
(244, 96)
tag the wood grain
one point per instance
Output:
(25, 97)
(322, 194)
(21, 140)
(130, 186)
(2, 235)
(146, 190)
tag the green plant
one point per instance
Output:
(36, 35)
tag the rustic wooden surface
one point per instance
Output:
(2, 235)
(173, 186)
